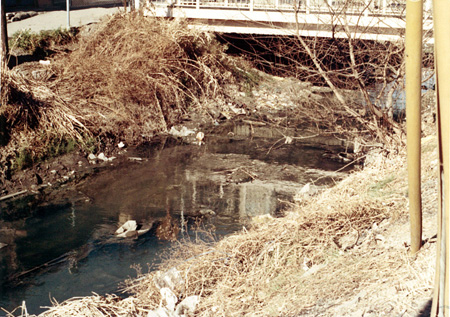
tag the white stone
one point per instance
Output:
(187, 305)
(102, 157)
(288, 140)
(207, 212)
(169, 298)
(183, 132)
(262, 219)
(200, 136)
(171, 279)
(130, 225)
(236, 110)
(305, 189)
(313, 269)
(92, 157)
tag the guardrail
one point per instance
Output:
(382, 20)
(367, 7)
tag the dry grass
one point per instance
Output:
(28, 105)
(131, 78)
(140, 72)
(96, 305)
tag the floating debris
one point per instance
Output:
(131, 229)
(200, 136)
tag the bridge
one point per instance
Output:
(382, 20)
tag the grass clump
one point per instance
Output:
(27, 155)
(247, 77)
(24, 159)
(57, 147)
(381, 188)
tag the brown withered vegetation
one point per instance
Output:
(140, 72)
(131, 71)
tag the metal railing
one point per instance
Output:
(366, 7)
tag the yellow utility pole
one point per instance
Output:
(413, 52)
(441, 17)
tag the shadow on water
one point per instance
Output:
(65, 246)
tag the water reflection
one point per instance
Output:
(65, 246)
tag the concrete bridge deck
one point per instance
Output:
(364, 19)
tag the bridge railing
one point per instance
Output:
(364, 7)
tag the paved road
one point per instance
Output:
(55, 19)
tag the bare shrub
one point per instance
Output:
(341, 64)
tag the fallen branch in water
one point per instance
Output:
(14, 195)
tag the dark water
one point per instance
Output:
(63, 245)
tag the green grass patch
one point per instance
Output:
(379, 188)
(59, 147)
(33, 42)
(24, 159)
(248, 79)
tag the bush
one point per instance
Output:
(32, 42)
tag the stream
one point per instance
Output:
(63, 245)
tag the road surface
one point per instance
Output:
(55, 19)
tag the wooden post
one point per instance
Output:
(441, 16)
(3, 36)
(413, 52)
